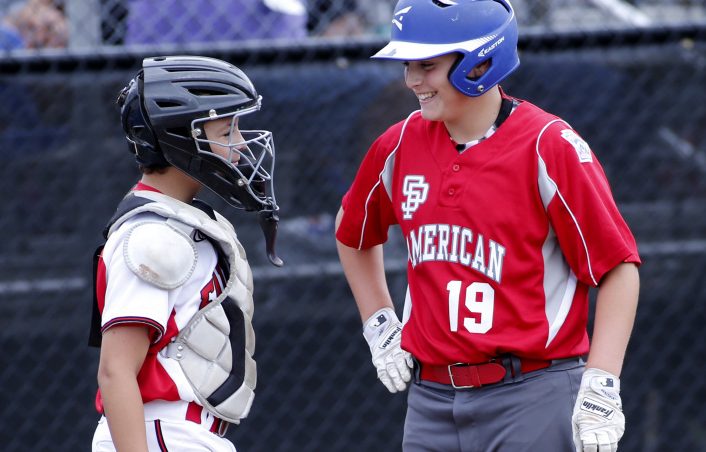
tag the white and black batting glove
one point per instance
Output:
(598, 422)
(383, 331)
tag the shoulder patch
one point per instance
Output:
(580, 146)
(160, 254)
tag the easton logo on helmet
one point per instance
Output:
(399, 16)
(487, 50)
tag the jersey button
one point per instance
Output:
(451, 191)
(456, 167)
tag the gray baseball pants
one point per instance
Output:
(531, 412)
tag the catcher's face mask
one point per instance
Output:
(180, 94)
(238, 165)
(244, 159)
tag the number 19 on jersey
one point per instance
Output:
(479, 299)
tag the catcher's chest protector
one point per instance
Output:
(215, 348)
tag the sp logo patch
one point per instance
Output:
(581, 147)
(415, 191)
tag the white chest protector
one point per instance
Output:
(215, 348)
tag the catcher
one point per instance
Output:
(173, 288)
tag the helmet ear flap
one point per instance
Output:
(460, 75)
(138, 130)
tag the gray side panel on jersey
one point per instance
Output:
(559, 280)
(386, 175)
(407, 309)
(559, 285)
(547, 187)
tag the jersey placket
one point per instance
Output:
(452, 184)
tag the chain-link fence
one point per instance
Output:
(634, 89)
(80, 25)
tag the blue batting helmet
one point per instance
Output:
(478, 30)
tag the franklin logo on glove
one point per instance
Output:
(383, 331)
(598, 422)
(390, 338)
(594, 407)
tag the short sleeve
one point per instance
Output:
(592, 233)
(367, 209)
(128, 298)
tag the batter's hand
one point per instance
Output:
(383, 331)
(598, 422)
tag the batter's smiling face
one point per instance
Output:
(218, 130)
(429, 80)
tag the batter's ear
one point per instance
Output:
(478, 71)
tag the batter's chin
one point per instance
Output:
(430, 115)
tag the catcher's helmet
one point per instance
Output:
(478, 30)
(163, 110)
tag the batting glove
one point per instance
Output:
(598, 422)
(383, 331)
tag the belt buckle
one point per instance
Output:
(451, 376)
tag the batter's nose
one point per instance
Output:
(412, 77)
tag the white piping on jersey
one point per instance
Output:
(380, 179)
(543, 173)
(559, 278)
(386, 174)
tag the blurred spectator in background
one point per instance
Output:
(194, 21)
(33, 24)
(349, 17)
(329, 18)
(539, 11)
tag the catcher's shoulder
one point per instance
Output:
(157, 250)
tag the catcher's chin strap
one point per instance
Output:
(268, 223)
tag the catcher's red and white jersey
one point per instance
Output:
(124, 298)
(504, 239)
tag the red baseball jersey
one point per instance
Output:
(504, 239)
